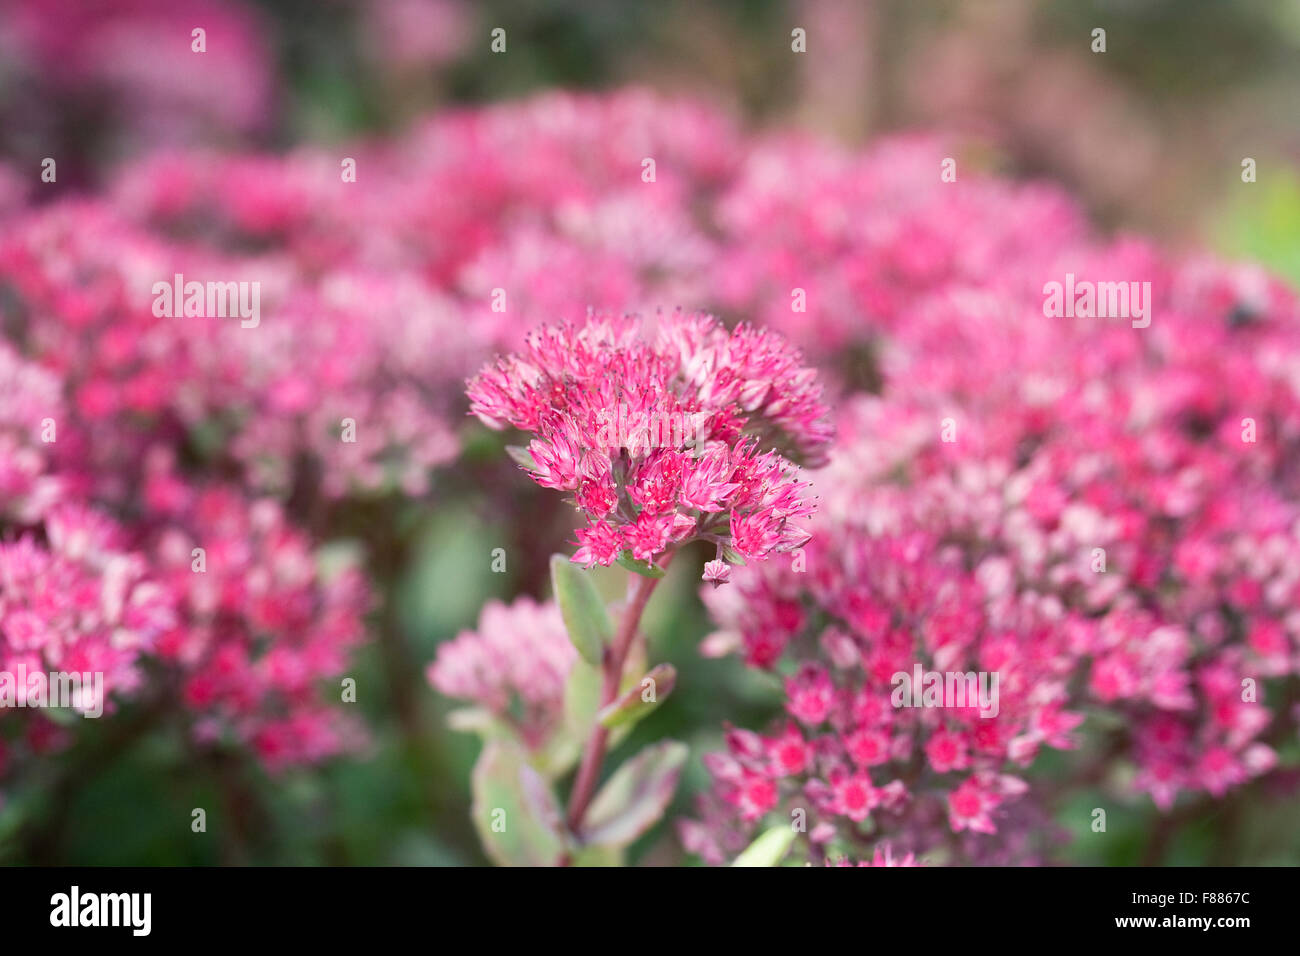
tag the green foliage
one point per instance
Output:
(1263, 223)
(635, 797)
(583, 610)
(632, 706)
(514, 811)
(769, 849)
(643, 568)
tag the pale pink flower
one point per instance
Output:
(520, 654)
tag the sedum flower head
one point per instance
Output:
(664, 431)
(515, 665)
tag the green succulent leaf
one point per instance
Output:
(475, 720)
(582, 608)
(643, 568)
(732, 556)
(63, 716)
(515, 813)
(769, 849)
(635, 797)
(598, 856)
(581, 697)
(634, 705)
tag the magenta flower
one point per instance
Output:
(1110, 534)
(261, 626)
(664, 431)
(81, 602)
(31, 408)
(883, 856)
(717, 572)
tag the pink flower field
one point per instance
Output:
(613, 473)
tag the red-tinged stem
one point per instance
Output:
(593, 755)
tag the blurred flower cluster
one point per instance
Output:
(518, 659)
(1103, 517)
(171, 480)
(123, 72)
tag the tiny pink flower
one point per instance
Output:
(717, 572)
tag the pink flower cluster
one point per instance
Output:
(472, 228)
(837, 248)
(110, 409)
(271, 400)
(884, 856)
(194, 432)
(80, 602)
(222, 598)
(1103, 516)
(30, 397)
(515, 665)
(541, 199)
(874, 604)
(709, 409)
(267, 621)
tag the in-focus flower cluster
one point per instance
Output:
(664, 434)
(874, 604)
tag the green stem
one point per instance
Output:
(593, 755)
